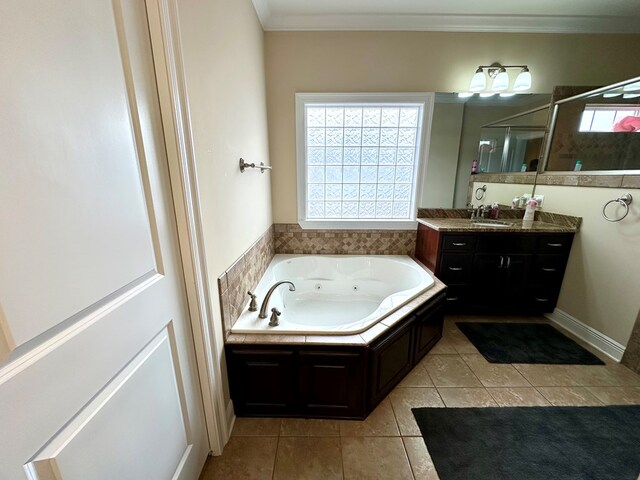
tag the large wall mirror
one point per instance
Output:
(597, 131)
(501, 133)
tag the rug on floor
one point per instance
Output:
(533, 443)
(525, 343)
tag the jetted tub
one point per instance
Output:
(335, 294)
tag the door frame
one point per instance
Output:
(207, 332)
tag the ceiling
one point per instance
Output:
(536, 16)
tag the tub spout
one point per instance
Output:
(265, 302)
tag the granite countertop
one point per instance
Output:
(513, 225)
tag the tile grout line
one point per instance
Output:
(275, 457)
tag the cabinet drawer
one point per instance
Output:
(548, 269)
(506, 243)
(455, 269)
(543, 299)
(457, 299)
(458, 243)
(554, 243)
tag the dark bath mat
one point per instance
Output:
(533, 443)
(525, 343)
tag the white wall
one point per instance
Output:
(442, 163)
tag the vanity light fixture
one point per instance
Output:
(500, 78)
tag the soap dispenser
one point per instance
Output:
(529, 214)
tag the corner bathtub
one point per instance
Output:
(335, 294)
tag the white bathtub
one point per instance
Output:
(335, 294)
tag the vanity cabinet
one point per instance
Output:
(496, 272)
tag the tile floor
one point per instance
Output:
(387, 445)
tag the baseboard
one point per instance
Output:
(231, 419)
(593, 337)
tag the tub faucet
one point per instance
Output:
(265, 302)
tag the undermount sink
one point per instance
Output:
(490, 223)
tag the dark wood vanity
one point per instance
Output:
(331, 380)
(496, 272)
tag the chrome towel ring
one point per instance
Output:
(625, 200)
(478, 195)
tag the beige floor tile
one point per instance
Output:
(494, 374)
(517, 397)
(375, 458)
(303, 427)
(243, 458)
(419, 458)
(443, 347)
(449, 371)
(569, 396)
(256, 427)
(466, 397)
(614, 375)
(418, 377)
(308, 458)
(617, 395)
(548, 375)
(404, 399)
(461, 343)
(380, 423)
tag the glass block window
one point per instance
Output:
(359, 159)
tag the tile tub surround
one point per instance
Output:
(242, 276)
(291, 238)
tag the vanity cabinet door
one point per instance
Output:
(500, 281)
(331, 383)
(262, 381)
(390, 360)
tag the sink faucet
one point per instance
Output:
(265, 302)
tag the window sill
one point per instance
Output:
(343, 224)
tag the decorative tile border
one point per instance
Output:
(631, 357)
(243, 276)
(586, 180)
(291, 238)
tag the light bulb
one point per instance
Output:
(523, 81)
(465, 94)
(612, 94)
(501, 82)
(631, 95)
(507, 95)
(488, 94)
(478, 81)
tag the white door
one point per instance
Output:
(97, 365)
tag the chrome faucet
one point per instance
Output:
(265, 302)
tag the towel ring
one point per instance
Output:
(481, 196)
(625, 200)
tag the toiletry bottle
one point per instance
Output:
(523, 168)
(495, 211)
(474, 166)
(515, 202)
(578, 166)
(529, 214)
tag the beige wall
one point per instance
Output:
(600, 285)
(416, 62)
(222, 44)
(440, 172)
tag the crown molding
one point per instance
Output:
(446, 23)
